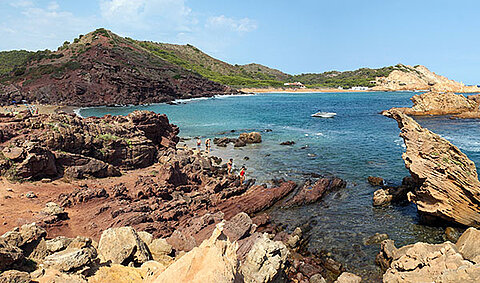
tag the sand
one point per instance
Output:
(42, 109)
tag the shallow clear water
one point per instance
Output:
(357, 143)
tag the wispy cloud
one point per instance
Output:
(43, 24)
(223, 22)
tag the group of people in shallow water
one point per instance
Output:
(208, 146)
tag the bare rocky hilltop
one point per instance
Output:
(419, 78)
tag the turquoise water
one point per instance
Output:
(357, 143)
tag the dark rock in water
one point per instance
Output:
(252, 137)
(223, 142)
(240, 143)
(232, 131)
(287, 143)
(376, 181)
(375, 239)
(381, 197)
(452, 234)
(246, 158)
(311, 193)
(386, 255)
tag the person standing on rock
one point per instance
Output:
(207, 145)
(242, 174)
(229, 166)
(199, 144)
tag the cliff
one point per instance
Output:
(419, 78)
(448, 185)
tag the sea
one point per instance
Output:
(358, 142)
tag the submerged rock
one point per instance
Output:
(448, 182)
(347, 277)
(375, 181)
(252, 137)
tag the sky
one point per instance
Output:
(294, 36)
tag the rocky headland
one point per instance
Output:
(447, 181)
(419, 77)
(441, 103)
(115, 198)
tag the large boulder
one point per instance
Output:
(215, 260)
(121, 246)
(71, 259)
(15, 276)
(9, 255)
(469, 245)
(252, 137)
(448, 182)
(265, 261)
(26, 237)
(311, 193)
(422, 262)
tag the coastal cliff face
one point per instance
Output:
(102, 68)
(448, 182)
(439, 103)
(419, 78)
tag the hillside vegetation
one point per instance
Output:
(13, 64)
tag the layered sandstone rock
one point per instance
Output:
(422, 262)
(215, 260)
(419, 78)
(448, 181)
(440, 103)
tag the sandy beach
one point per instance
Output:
(291, 90)
(42, 109)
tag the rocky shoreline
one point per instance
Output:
(117, 198)
(83, 177)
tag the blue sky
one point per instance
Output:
(293, 36)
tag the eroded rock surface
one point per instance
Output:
(422, 262)
(440, 103)
(448, 180)
(61, 144)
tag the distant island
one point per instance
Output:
(102, 68)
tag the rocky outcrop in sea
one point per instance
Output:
(448, 186)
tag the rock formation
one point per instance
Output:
(447, 179)
(56, 145)
(423, 262)
(438, 103)
(419, 78)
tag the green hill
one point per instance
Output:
(191, 59)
